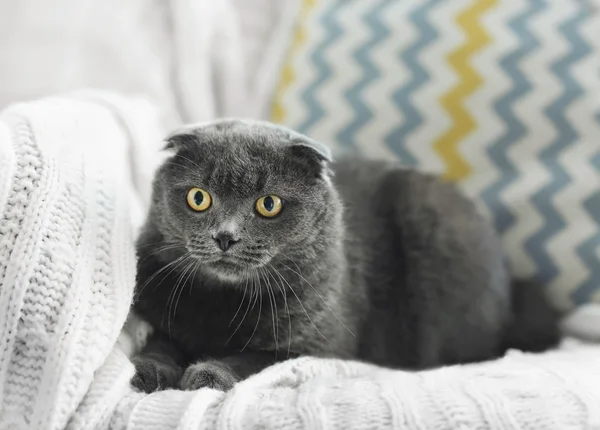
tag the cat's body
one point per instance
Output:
(383, 265)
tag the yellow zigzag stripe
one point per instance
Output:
(278, 112)
(447, 144)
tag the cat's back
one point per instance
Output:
(361, 185)
(366, 203)
(390, 209)
(424, 254)
(353, 176)
(372, 191)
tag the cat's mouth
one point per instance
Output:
(234, 265)
(228, 268)
(229, 263)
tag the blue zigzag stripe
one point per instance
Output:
(498, 151)
(333, 32)
(362, 113)
(587, 250)
(402, 97)
(566, 136)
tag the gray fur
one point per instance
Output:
(374, 263)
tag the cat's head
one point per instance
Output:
(237, 196)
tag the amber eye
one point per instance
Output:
(269, 206)
(198, 199)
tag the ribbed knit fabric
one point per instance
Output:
(557, 390)
(67, 263)
(74, 176)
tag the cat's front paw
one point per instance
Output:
(151, 375)
(208, 374)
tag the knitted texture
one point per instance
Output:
(67, 263)
(74, 177)
(557, 390)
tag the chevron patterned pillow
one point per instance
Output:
(501, 96)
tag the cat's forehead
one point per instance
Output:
(237, 151)
(246, 158)
(236, 168)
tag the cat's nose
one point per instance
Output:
(224, 240)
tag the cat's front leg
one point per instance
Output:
(158, 367)
(209, 374)
(222, 374)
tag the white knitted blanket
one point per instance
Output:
(73, 181)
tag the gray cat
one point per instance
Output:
(257, 249)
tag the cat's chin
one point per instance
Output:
(226, 272)
(227, 277)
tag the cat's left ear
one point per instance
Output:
(316, 155)
(176, 141)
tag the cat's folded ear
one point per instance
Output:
(191, 135)
(315, 155)
(176, 141)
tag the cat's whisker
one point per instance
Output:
(175, 263)
(319, 295)
(186, 256)
(247, 260)
(173, 294)
(191, 272)
(166, 248)
(169, 303)
(301, 305)
(257, 319)
(273, 303)
(276, 316)
(252, 292)
(241, 301)
(195, 270)
(287, 309)
(161, 242)
(159, 250)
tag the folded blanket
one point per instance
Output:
(67, 265)
(74, 175)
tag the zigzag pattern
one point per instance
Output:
(566, 136)
(309, 96)
(288, 75)
(363, 83)
(441, 78)
(498, 151)
(419, 77)
(447, 145)
(354, 96)
(587, 251)
(531, 174)
(371, 137)
(495, 83)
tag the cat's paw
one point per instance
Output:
(208, 374)
(151, 375)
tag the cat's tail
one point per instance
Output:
(534, 326)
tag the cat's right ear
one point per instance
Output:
(316, 156)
